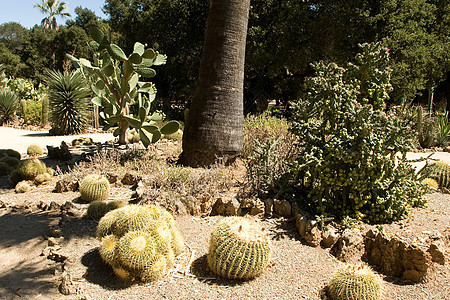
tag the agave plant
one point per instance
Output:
(68, 96)
(9, 103)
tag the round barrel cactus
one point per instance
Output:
(35, 150)
(30, 168)
(94, 187)
(240, 248)
(139, 242)
(355, 282)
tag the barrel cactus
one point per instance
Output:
(139, 242)
(239, 248)
(10, 153)
(439, 171)
(94, 187)
(10, 161)
(41, 178)
(97, 209)
(15, 178)
(35, 150)
(431, 183)
(30, 168)
(355, 282)
(22, 187)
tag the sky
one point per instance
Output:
(24, 12)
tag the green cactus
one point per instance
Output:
(15, 178)
(239, 248)
(41, 178)
(22, 187)
(94, 187)
(44, 115)
(116, 84)
(30, 168)
(439, 171)
(5, 169)
(137, 241)
(82, 141)
(10, 161)
(97, 209)
(10, 153)
(355, 282)
(35, 150)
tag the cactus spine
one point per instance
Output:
(138, 241)
(439, 171)
(94, 188)
(355, 282)
(239, 248)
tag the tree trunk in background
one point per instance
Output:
(214, 127)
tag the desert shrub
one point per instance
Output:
(348, 163)
(9, 104)
(268, 149)
(68, 102)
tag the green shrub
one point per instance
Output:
(68, 102)
(9, 104)
(348, 163)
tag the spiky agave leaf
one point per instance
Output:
(68, 96)
(9, 103)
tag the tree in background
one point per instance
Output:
(214, 126)
(52, 8)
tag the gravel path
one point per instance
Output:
(19, 139)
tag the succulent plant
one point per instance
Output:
(138, 241)
(10, 161)
(355, 282)
(68, 101)
(30, 168)
(10, 153)
(15, 178)
(82, 141)
(5, 169)
(22, 187)
(439, 171)
(97, 209)
(431, 183)
(239, 248)
(116, 84)
(41, 178)
(94, 187)
(35, 150)
(9, 103)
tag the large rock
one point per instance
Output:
(282, 208)
(60, 153)
(395, 257)
(349, 247)
(329, 236)
(437, 251)
(307, 228)
(226, 207)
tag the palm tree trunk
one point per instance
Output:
(214, 126)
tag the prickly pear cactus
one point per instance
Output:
(355, 282)
(239, 248)
(30, 168)
(94, 187)
(139, 242)
(35, 150)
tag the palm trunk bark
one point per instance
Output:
(214, 126)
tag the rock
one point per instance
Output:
(180, 208)
(139, 191)
(67, 287)
(226, 207)
(301, 220)
(131, 179)
(69, 184)
(282, 208)
(49, 206)
(268, 207)
(60, 153)
(55, 231)
(313, 235)
(192, 205)
(395, 257)
(112, 177)
(329, 237)
(52, 241)
(437, 252)
(71, 210)
(349, 247)
(2, 204)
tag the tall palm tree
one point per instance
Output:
(214, 127)
(52, 8)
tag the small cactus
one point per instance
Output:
(239, 248)
(355, 282)
(41, 178)
(15, 178)
(10, 161)
(431, 183)
(94, 188)
(30, 168)
(22, 187)
(35, 150)
(10, 153)
(97, 209)
(138, 241)
(439, 171)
